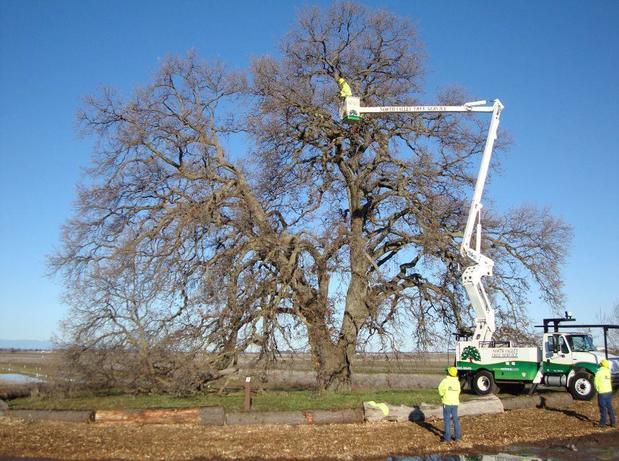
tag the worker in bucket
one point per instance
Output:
(344, 88)
(604, 388)
(449, 390)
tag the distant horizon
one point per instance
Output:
(27, 344)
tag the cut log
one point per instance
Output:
(396, 413)
(334, 416)
(401, 413)
(265, 417)
(212, 416)
(296, 418)
(158, 416)
(73, 416)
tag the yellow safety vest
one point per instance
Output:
(449, 390)
(344, 88)
(602, 381)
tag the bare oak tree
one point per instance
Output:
(344, 233)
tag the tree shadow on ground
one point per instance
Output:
(566, 412)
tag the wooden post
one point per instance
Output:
(247, 406)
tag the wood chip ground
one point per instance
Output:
(96, 441)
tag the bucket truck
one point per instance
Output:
(565, 359)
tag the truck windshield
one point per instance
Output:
(580, 343)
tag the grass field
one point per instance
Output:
(288, 386)
(233, 401)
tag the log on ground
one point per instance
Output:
(158, 416)
(265, 417)
(401, 413)
(73, 416)
(334, 416)
(212, 416)
(296, 418)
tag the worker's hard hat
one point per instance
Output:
(604, 363)
(452, 371)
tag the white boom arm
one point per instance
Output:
(471, 278)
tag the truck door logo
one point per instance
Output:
(471, 353)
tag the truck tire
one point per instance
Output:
(581, 386)
(483, 383)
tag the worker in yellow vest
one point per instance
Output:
(344, 88)
(604, 388)
(449, 390)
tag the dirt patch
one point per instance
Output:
(60, 440)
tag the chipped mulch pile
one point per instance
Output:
(487, 433)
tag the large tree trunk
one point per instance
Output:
(329, 360)
(332, 360)
(356, 310)
(328, 357)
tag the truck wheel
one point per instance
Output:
(483, 383)
(581, 386)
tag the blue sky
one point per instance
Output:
(554, 64)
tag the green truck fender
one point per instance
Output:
(586, 366)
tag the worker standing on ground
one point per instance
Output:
(449, 390)
(604, 388)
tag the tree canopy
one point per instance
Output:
(184, 252)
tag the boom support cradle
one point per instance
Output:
(352, 110)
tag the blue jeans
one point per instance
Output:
(605, 402)
(450, 412)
